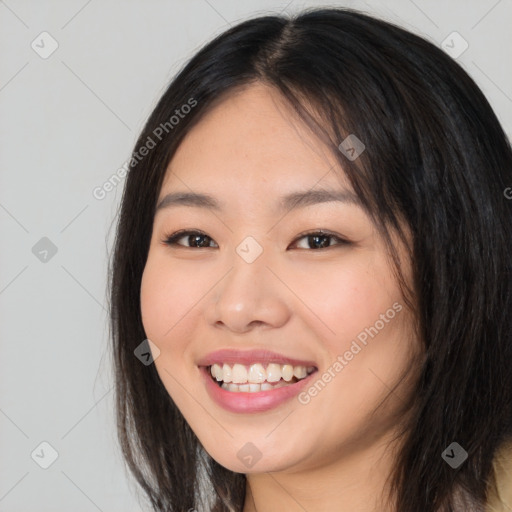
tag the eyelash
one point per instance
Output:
(172, 239)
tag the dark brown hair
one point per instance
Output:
(436, 158)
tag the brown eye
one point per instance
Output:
(315, 240)
(320, 240)
(195, 239)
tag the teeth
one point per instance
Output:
(226, 373)
(239, 374)
(257, 373)
(252, 388)
(273, 372)
(287, 372)
(216, 372)
(255, 376)
(300, 372)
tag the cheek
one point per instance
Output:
(166, 296)
(169, 316)
(347, 299)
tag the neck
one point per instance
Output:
(354, 481)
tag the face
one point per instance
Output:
(298, 294)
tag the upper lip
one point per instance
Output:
(248, 357)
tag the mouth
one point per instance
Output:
(253, 381)
(257, 377)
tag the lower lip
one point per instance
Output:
(244, 402)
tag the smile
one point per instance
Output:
(253, 381)
(239, 378)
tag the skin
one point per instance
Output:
(295, 299)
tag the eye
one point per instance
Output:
(196, 239)
(199, 240)
(320, 240)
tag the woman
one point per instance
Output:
(314, 250)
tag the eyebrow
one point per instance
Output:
(289, 202)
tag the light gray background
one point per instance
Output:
(67, 123)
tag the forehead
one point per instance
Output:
(254, 141)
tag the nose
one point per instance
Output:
(248, 296)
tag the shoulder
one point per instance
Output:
(500, 497)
